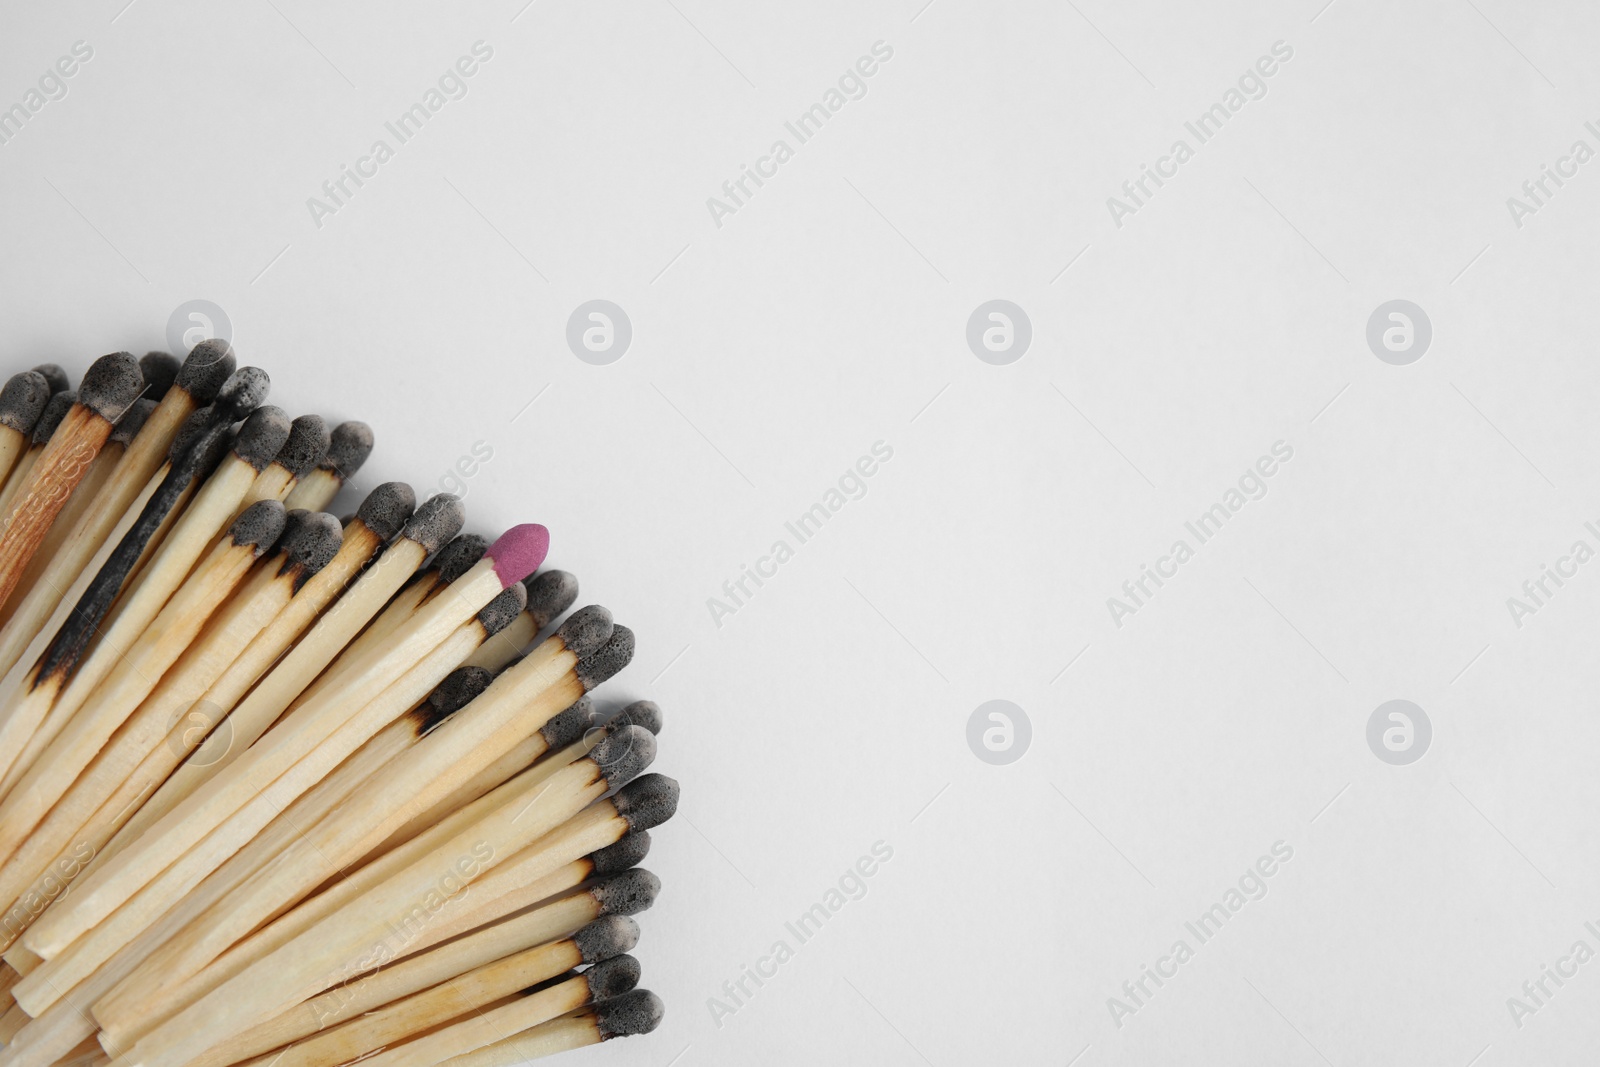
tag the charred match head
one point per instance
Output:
(305, 446)
(242, 392)
(262, 436)
(638, 1012)
(612, 657)
(549, 594)
(645, 713)
(567, 726)
(459, 688)
(518, 552)
(159, 370)
(613, 975)
(310, 541)
(55, 409)
(54, 376)
(132, 421)
(349, 445)
(498, 613)
(647, 801)
(624, 854)
(457, 558)
(622, 754)
(111, 384)
(260, 525)
(22, 400)
(586, 630)
(207, 366)
(386, 509)
(608, 936)
(435, 522)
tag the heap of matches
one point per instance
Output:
(277, 789)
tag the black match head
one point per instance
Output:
(625, 853)
(438, 520)
(260, 525)
(607, 936)
(628, 892)
(566, 727)
(613, 975)
(615, 655)
(549, 594)
(208, 365)
(305, 447)
(244, 391)
(458, 557)
(386, 509)
(159, 370)
(638, 1012)
(498, 613)
(54, 376)
(647, 801)
(111, 384)
(623, 754)
(459, 688)
(132, 421)
(310, 541)
(55, 409)
(22, 400)
(586, 630)
(262, 436)
(645, 713)
(348, 448)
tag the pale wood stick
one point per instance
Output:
(486, 1026)
(379, 519)
(8, 978)
(304, 448)
(320, 957)
(109, 388)
(21, 962)
(142, 752)
(171, 885)
(106, 888)
(11, 1024)
(349, 445)
(417, 972)
(133, 677)
(569, 1032)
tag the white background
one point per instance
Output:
(768, 354)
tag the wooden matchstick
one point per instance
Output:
(50, 420)
(302, 450)
(22, 401)
(349, 445)
(515, 555)
(108, 389)
(637, 1012)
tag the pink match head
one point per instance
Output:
(518, 552)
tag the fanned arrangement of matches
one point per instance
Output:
(280, 789)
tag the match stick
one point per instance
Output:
(601, 981)
(137, 672)
(11, 1024)
(427, 968)
(550, 594)
(136, 760)
(84, 502)
(64, 677)
(638, 1012)
(349, 445)
(22, 401)
(516, 554)
(198, 383)
(108, 389)
(50, 420)
(302, 450)
(159, 370)
(381, 517)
